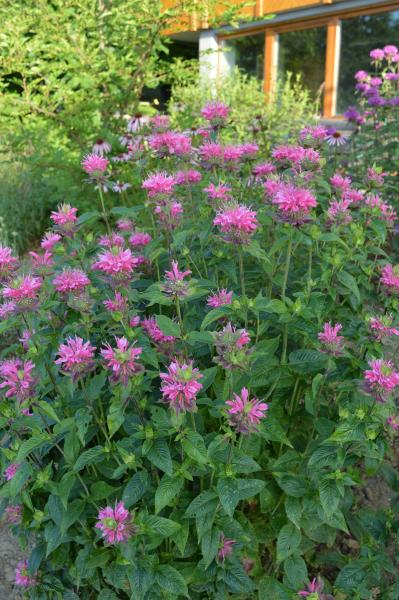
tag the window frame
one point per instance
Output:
(332, 22)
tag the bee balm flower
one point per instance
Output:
(11, 470)
(95, 165)
(175, 284)
(121, 360)
(23, 291)
(115, 524)
(65, 219)
(222, 298)
(237, 223)
(331, 341)
(22, 577)
(71, 281)
(76, 357)
(16, 375)
(246, 414)
(8, 262)
(180, 386)
(381, 379)
(216, 113)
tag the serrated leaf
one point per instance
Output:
(193, 444)
(168, 489)
(295, 571)
(135, 488)
(171, 580)
(89, 457)
(168, 326)
(161, 526)
(228, 494)
(329, 496)
(293, 509)
(215, 314)
(159, 455)
(288, 541)
(210, 545)
(33, 443)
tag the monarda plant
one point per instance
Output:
(198, 386)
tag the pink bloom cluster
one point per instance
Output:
(115, 524)
(231, 347)
(188, 177)
(24, 291)
(296, 157)
(225, 548)
(10, 471)
(118, 264)
(155, 333)
(94, 164)
(22, 577)
(175, 283)
(263, 170)
(49, 240)
(180, 386)
(121, 361)
(222, 298)
(245, 413)
(76, 357)
(294, 202)
(111, 240)
(237, 223)
(393, 421)
(216, 113)
(8, 262)
(65, 219)
(168, 213)
(17, 378)
(170, 143)
(118, 304)
(384, 212)
(139, 238)
(390, 278)
(381, 379)
(159, 185)
(218, 192)
(381, 327)
(331, 341)
(13, 513)
(72, 281)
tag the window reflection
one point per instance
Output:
(358, 37)
(247, 53)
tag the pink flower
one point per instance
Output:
(100, 147)
(16, 375)
(263, 170)
(22, 577)
(294, 202)
(24, 339)
(390, 51)
(216, 113)
(171, 143)
(8, 262)
(117, 263)
(118, 304)
(237, 222)
(393, 421)
(111, 240)
(180, 386)
(11, 470)
(13, 513)
(218, 192)
(377, 54)
(49, 240)
(23, 291)
(361, 76)
(225, 548)
(212, 153)
(94, 164)
(338, 212)
(351, 195)
(41, 263)
(65, 219)
(336, 138)
(122, 360)
(160, 122)
(340, 182)
(246, 414)
(381, 379)
(168, 213)
(331, 341)
(140, 239)
(155, 333)
(115, 524)
(175, 284)
(188, 177)
(384, 212)
(248, 150)
(315, 133)
(76, 357)
(71, 281)
(312, 588)
(381, 327)
(222, 298)
(390, 278)
(134, 321)
(230, 345)
(137, 122)
(125, 225)
(7, 309)
(159, 185)
(375, 176)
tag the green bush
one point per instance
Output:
(283, 114)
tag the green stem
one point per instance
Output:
(287, 267)
(241, 266)
(103, 209)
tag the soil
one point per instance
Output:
(9, 556)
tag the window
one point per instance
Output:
(358, 37)
(247, 53)
(303, 52)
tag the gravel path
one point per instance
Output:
(9, 556)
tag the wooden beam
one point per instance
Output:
(270, 61)
(332, 67)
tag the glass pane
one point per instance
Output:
(247, 53)
(358, 37)
(303, 52)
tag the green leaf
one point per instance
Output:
(33, 443)
(20, 478)
(135, 488)
(215, 314)
(115, 416)
(161, 526)
(329, 496)
(194, 446)
(203, 504)
(89, 457)
(168, 489)
(352, 575)
(168, 326)
(246, 488)
(349, 282)
(293, 509)
(65, 486)
(293, 485)
(107, 595)
(228, 494)
(237, 580)
(271, 589)
(72, 514)
(49, 410)
(99, 558)
(288, 541)
(159, 455)
(101, 489)
(210, 545)
(296, 571)
(307, 361)
(171, 580)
